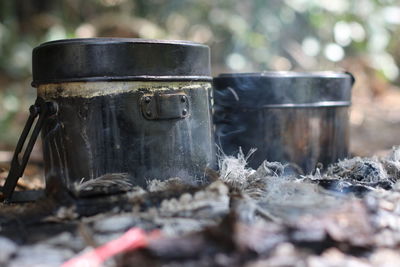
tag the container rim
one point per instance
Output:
(115, 40)
(126, 79)
(287, 74)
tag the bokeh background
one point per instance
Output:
(358, 36)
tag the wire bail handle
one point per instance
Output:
(42, 110)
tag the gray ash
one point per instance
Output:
(360, 175)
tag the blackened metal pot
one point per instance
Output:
(290, 117)
(124, 108)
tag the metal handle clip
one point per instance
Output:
(165, 106)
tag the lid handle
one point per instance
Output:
(353, 79)
(41, 109)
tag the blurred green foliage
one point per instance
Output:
(244, 36)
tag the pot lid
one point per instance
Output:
(108, 59)
(283, 89)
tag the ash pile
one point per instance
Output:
(346, 215)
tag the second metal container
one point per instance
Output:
(290, 117)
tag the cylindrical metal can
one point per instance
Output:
(131, 107)
(290, 117)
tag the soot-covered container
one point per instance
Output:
(131, 108)
(290, 117)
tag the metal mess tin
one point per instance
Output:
(132, 108)
(290, 117)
